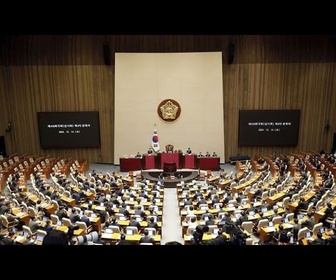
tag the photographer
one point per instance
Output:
(57, 237)
(198, 234)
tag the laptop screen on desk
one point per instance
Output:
(308, 234)
(39, 237)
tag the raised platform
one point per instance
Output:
(170, 179)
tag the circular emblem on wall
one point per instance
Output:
(169, 110)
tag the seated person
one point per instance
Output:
(207, 154)
(214, 154)
(146, 238)
(138, 155)
(188, 151)
(150, 151)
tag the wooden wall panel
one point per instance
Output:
(67, 73)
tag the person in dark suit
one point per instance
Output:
(123, 241)
(48, 227)
(243, 218)
(281, 235)
(152, 223)
(228, 197)
(134, 223)
(220, 239)
(74, 216)
(123, 210)
(210, 221)
(215, 200)
(62, 213)
(328, 213)
(86, 220)
(138, 155)
(7, 239)
(303, 205)
(201, 201)
(113, 222)
(76, 197)
(318, 240)
(188, 152)
(139, 211)
(146, 238)
(332, 239)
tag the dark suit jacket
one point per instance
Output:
(135, 223)
(146, 239)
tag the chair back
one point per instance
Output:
(66, 222)
(302, 232)
(131, 230)
(54, 219)
(248, 226)
(27, 231)
(151, 231)
(262, 223)
(317, 227)
(114, 228)
(190, 230)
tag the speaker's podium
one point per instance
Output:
(170, 158)
(169, 167)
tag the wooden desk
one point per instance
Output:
(265, 232)
(24, 217)
(96, 224)
(70, 201)
(272, 200)
(128, 181)
(206, 236)
(130, 164)
(208, 163)
(50, 209)
(213, 179)
(327, 234)
(114, 237)
(169, 158)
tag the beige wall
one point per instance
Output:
(194, 80)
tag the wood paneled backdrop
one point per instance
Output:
(68, 73)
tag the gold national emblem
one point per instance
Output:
(169, 110)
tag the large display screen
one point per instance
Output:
(69, 129)
(268, 127)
